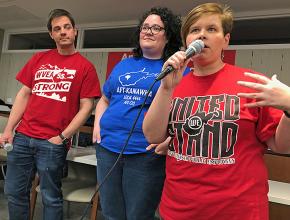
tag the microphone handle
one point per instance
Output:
(191, 51)
(164, 73)
(8, 147)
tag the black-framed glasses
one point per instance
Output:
(155, 29)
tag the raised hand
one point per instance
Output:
(179, 63)
(269, 92)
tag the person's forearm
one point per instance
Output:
(100, 109)
(156, 120)
(18, 108)
(86, 106)
(282, 137)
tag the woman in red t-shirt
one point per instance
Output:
(221, 119)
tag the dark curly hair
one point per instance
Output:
(172, 25)
(55, 13)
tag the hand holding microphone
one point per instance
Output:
(194, 48)
(7, 146)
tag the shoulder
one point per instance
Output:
(126, 62)
(240, 70)
(233, 68)
(83, 59)
(41, 54)
(39, 57)
(129, 60)
(47, 52)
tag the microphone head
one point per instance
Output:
(194, 48)
(8, 147)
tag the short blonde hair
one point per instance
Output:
(224, 11)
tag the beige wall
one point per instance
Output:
(268, 61)
(3, 121)
(10, 64)
(99, 59)
(1, 40)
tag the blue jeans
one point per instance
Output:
(134, 188)
(28, 156)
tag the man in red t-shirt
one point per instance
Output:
(59, 87)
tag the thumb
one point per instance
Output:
(96, 138)
(274, 77)
(151, 146)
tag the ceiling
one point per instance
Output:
(19, 14)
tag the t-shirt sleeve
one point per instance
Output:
(91, 85)
(108, 87)
(25, 75)
(268, 121)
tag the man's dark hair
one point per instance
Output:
(55, 13)
(172, 25)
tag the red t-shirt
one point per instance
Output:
(57, 82)
(215, 168)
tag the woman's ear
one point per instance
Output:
(227, 40)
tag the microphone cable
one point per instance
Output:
(121, 152)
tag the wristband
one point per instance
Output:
(287, 114)
(65, 140)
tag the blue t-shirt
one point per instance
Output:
(126, 89)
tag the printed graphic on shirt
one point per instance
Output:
(53, 82)
(205, 129)
(131, 78)
(130, 81)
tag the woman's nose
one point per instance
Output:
(201, 35)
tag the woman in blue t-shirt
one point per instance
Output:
(134, 188)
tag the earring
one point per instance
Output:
(222, 55)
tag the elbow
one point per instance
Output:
(279, 144)
(148, 135)
(87, 104)
(153, 139)
(153, 136)
(281, 149)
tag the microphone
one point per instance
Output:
(8, 147)
(194, 48)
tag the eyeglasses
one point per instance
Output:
(155, 29)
